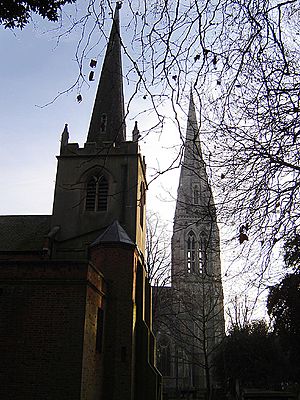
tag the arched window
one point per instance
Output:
(202, 255)
(191, 249)
(102, 193)
(91, 194)
(96, 194)
(164, 356)
(142, 203)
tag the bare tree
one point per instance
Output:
(189, 326)
(242, 59)
(157, 250)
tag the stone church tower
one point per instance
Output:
(189, 320)
(75, 315)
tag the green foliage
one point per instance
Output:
(16, 13)
(251, 355)
(284, 308)
(292, 253)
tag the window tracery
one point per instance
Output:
(96, 194)
(164, 356)
(196, 253)
(191, 249)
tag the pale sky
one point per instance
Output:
(33, 71)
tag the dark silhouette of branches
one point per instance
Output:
(157, 250)
(242, 60)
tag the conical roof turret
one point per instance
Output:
(107, 121)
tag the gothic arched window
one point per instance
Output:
(102, 193)
(96, 194)
(202, 254)
(90, 200)
(164, 356)
(191, 250)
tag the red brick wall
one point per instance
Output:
(42, 307)
(92, 366)
(117, 263)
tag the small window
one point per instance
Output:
(103, 123)
(164, 357)
(96, 194)
(196, 195)
(142, 203)
(100, 329)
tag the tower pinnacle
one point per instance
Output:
(107, 121)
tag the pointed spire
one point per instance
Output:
(194, 189)
(192, 125)
(192, 150)
(107, 121)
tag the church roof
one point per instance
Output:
(107, 121)
(113, 234)
(23, 232)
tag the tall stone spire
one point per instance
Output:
(107, 122)
(194, 195)
(194, 325)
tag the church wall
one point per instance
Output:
(124, 171)
(93, 342)
(118, 263)
(81, 330)
(41, 329)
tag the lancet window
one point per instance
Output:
(196, 253)
(96, 194)
(196, 195)
(164, 356)
(202, 254)
(191, 252)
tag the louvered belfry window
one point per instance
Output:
(102, 193)
(96, 194)
(91, 194)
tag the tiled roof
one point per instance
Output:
(23, 232)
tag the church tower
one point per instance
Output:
(105, 180)
(77, 319)
(189, 334)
